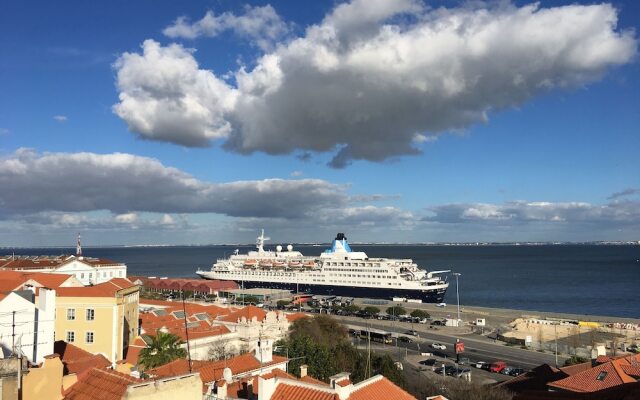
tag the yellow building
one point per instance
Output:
(101, 319)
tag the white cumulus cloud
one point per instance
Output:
(372, 80)
(262, 25)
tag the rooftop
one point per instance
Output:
(100, 383)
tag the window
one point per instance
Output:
(601, 376)
(71, 336)
(88, 337)
(91, 314)
(82, 275)
(71, 314)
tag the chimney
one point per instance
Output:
(266, 387)
(264, 352)
(303, 370)
(222, 389)
(594, 356)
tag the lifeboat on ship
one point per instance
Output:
(266, 264)
(251, 263)
(279, 264)
(309, 264)
(295, 264)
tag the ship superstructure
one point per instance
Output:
(337, 271)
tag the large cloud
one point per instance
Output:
(371, 78)
(125, 183)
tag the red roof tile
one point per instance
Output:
(248, 312)
(100, 384)
(105, 289)
(292, 392)
(382, 389)
(296, 316)
(598, 378)
(77, 360)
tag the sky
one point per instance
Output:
(202, 122)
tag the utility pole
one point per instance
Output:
(186, 329)
(457, 274)
(555, 328)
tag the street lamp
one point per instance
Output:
(457, 274)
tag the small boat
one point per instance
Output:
(266, 264)
(279, 264)
(309, 264)
(250, 263)
(295, 264)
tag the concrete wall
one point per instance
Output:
(44, 382)
(185, 387)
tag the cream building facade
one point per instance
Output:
(101, 319)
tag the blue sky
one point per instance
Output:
(156, 122)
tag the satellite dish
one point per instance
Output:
(227, 375)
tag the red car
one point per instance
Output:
(497, 366)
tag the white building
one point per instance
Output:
(27, 325)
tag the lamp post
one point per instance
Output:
(457, 274)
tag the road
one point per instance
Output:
(477, 348)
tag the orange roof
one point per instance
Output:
(600, 377)
(103, 384)
(134, 349)
(212, 370)
(77, 360)
(199, 320)
(381, 389)
(292, 392)
(248, 312)
(296, 316)
(51, 281)
(105, 289)
(311, 379)
(343, 382)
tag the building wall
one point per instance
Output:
(114, 326)
(44, 382)
(34, 325)
(90, 275)
(185, 387)
(105, 318)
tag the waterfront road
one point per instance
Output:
(477, 347)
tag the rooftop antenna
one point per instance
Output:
(186, 328)
(78, 247)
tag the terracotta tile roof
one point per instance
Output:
(296, 316)
(100, 384)
(134, 349)
(343, 382)
(105, 289)
(292, 392)
(200, 326)
(277, 372)
(632, 370)
(77, 360)
(51, 281)
(29, 264)
(576, 368)
(598, 378)
(199, 285)
(212, 370)
(248, 312)
(381, 389)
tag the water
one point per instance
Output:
(579, 279)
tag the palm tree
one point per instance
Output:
(164, 348)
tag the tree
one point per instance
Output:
(282, 304)
(352, 308)
(219, 351)
(396, 310)
(371, 310)
(419, 314)
(164, 348)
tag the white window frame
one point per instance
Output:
(86, 337)
(73, 339)
(71, 314)
(93, 314)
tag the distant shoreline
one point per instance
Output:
(440, 244)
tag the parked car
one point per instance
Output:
(438, 346)
(441, 305)
(464, 361)
(481, 365)
(429, 362)
(506, 370)
(405, 339)
(497, 366)
(412, 333)
(516, 371)
(461, 371)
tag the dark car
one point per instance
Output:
(405, 339)
(429, 362)
(412, 333)
(516, 372)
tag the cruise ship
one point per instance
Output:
(337, 271)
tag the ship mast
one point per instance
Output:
(260, 242)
